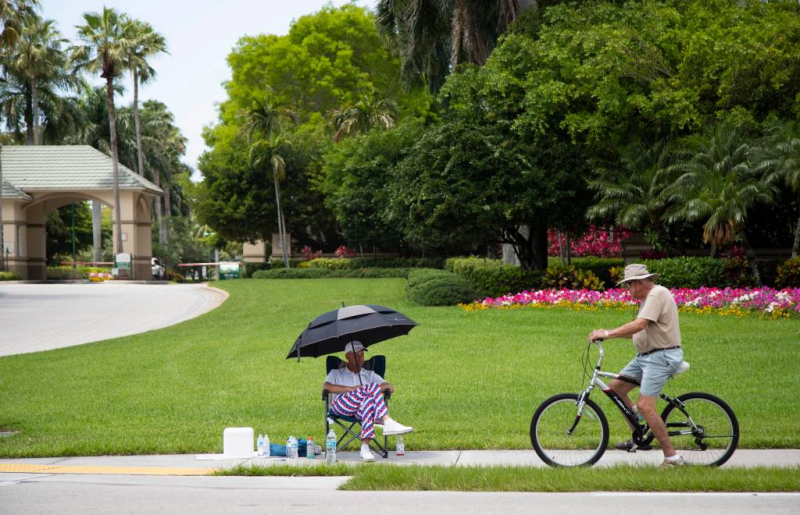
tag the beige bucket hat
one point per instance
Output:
(636, 272)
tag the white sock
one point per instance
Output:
(364, 446)
(673, 458)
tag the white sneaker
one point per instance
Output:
(392, 427)
(366, 453)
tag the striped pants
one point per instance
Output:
(364, 403)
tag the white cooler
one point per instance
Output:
(238, 442)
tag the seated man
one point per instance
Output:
(358, 394)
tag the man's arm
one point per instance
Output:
(625, 331)
(335, 388)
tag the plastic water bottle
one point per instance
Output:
(310, 448)
(289, 447)
(330, 447)
(266, 446)
(295, 449)
(401, 446)
(260, 445)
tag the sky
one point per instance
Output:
(200, 34)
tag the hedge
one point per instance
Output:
(492, 277)
(366, 262)
(67, 273)
(10, 276)
(251, 268)
(789, 274)
(324, 273)
(439, 289)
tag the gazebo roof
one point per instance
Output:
(64, 167)
(10, 192)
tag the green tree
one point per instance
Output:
(718, 184)
(146, 44)
(781, 159)
(59, 231)
(362, 116)
(38, 58)
(327, 60)
(105, 49)
(435, 36)
(11, 14)
(356, 172)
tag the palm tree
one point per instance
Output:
(262, 124)
(435, 36)
(781, 161)
(147, 44)
(11, 14)
(105, 49)
(717, 183)
(362, 116)
(633, 195)
(38, 58)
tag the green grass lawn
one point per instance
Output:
(622, 478)
(464, 380)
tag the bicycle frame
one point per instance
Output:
(640, 431)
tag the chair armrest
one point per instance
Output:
(325, 394)
(387, 393)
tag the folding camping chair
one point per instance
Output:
(351, 425)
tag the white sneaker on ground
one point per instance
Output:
(392, 427)
(366, 453)
(673, 461)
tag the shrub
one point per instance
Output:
(737, 272)
(789, 274)
(251, 268)
(689, 272)
(174, 276)
(330, 263)
(601, 267)
(492, 277)
(442, 289)
(421, 275)
(277, 262)
(367, 262)
(569, 277)
(66, 273)
(10, 276)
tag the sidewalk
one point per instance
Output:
(190, 465)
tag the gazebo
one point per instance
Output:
(39, 179)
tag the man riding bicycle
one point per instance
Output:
(657, 338)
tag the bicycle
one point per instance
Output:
(571, 430)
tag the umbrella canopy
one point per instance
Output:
(330, 332)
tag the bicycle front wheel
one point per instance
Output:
(705, 431)
(562, 439)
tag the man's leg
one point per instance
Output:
(623, 388)
(647, 407)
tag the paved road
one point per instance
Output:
(74, 494)
(37, 317)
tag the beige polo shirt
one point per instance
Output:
(662, 332)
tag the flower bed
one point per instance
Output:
(729, 301)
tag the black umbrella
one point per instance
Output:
(330, 332)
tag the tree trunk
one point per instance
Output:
(281, 229)
(796, 246)
(28, 116)
(751, 258)
(37, 138)
(136, 120)
(97, 229)
(159, 216)
(167, 210)
(113, 131)
(539, 245)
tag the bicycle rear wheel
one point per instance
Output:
(563, 440)
(707, 433)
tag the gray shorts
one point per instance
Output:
(653, 370)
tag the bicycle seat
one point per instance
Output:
(683, 367)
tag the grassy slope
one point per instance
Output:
(465, 380)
